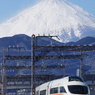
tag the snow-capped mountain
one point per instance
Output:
(55, 17)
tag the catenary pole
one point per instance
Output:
(33, 64)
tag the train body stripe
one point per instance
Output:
(58, 94)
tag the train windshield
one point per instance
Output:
(75, 78)
(77, 89)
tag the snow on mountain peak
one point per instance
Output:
(54, 17)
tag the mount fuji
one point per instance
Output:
(51, 17)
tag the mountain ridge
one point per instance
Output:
(26, 40)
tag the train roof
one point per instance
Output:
(62, 80)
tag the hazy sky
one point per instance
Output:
(9, 8)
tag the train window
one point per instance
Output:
(75, 78)
(62, 90)
(54, 90)
(77, 89)
(43, 92)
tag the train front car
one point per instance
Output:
(76, 86)
(71, 85)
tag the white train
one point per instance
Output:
(70, 85)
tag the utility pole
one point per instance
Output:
(3, 76)
(81, 65)
(33, 64)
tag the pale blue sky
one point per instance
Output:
(9, 8)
